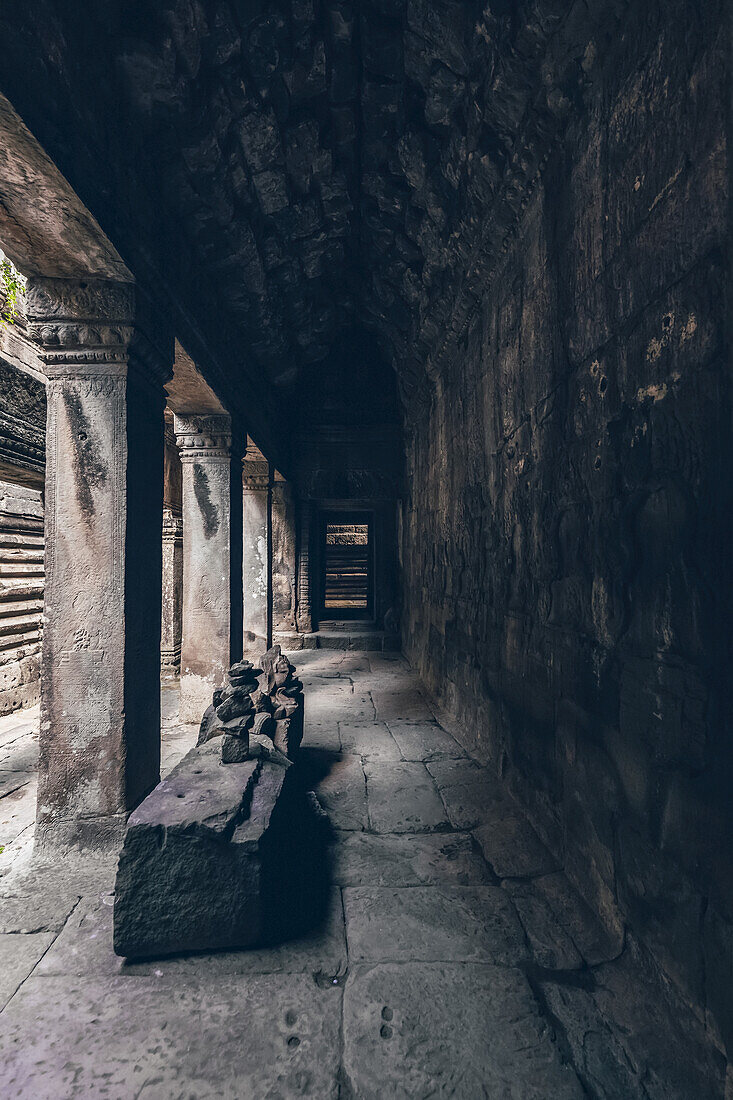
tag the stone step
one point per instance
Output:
(356, 640)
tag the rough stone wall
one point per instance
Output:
(21, 595)
(565, 549)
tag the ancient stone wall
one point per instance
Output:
(565, 556)
(21, 595)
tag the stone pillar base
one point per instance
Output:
(87, 834)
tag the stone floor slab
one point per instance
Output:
(369, 740)
(340, 787)
(402, 798)
(40, 897)
(21, 756)
(322, 735)
(18, 724)
(472, 795)
(424, 741)
(404, 704)
(263, 1036)
(12, 781)
(84, 949)
(512, 847)
(414, 1030)
(17, 817)
(366, 859)
(18, 955)
(631, 1039)
(554, 902)
(432, 923)
(552, 945)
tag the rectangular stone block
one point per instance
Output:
(195, 869)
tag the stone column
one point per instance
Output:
(204, 443)
(100, 681)
(257, 554)
(283, 557)
(304, 613)
(172, 617)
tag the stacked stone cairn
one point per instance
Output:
(259, 708)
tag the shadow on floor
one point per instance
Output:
(297, 874)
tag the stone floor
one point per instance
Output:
(456, 960)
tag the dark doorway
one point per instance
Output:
(347, 574)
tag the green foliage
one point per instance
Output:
(12, 286)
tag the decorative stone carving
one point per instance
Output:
(204, 437)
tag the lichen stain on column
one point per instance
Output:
(89, 468)
(209, 511)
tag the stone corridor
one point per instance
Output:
(456, 959)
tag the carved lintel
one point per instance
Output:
(206, 437)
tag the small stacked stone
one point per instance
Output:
(256, 704)
(285, 692)
(233, 713)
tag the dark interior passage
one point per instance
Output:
(436, 294)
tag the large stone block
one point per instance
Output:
(216, 856)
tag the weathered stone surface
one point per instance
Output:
(369, 740)
(531, 210)
(615, 1029)
(40, 896)
(551, 942)
(401, 706)
(197, 867)
(340, 787)
(432, 923)
(424, 742)
(100, 691)
(84, 949)
(44, 1057)
(553, 913)
(363, 859)
(452, 1030)
(512, 847)
(234, 748)
(471, 794)
(18, 956)
(402, 798)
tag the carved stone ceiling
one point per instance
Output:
(332, 160)
(339, 163)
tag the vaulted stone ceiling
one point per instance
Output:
(332, 163)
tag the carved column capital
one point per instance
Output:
(96, 328)
(255, 475)
(172, 525)
(204, 437)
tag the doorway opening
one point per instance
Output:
(347, 555)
